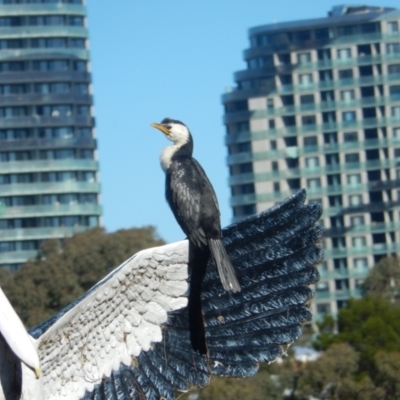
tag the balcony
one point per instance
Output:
(44, 76)
(339, 294)
(381, 248)
(48, 165)
(38, 99)
(49, 188)
(297, 151)
(21, 32)
(317, 192)
(49, 210)
(82, 54)
(10, 257)
(42, 144)
(39, 233)
(42, 8)
(308, 172)
(24, 122)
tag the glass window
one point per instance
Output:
(350, 137)
(307, 99)
(305, 79)
(312, 162)
(348, 116)
(352, 157)
(313, 183)
(393, 26)
(353, 179)
(355, 200)
(394, 69)
(347, 95)
(393, 48)
(358, 241)
(346, 74)
(323, 308)
(344, 54)
(304, 58)
(357, 220)
(396, 132)
(395, 91)
(396, 112)
(360, 263)
(308, 120)
(310, 141)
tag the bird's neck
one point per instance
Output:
(175, 151)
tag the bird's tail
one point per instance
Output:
(225, 269)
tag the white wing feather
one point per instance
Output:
(115, 322)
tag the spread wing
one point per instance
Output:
(129, 338)
(192, 199)
(121, 317)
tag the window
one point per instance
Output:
(312, 162)
(346, 74)
(305, 79)
(360, 263)
(314, 183)
(307, 99)
(246, 168)
(393, 26)
(355, 200)
(396, 112)
(394, 69)
(350, 136)
(352, 158)
(81, 88)
(341, 284)
(395, 91)
(353, 179)
(357, 220)
(347, 30)
(393, 48)
(396, 132)
(270, 103)
(310, 141)
(343, 54)
(275, 166)
(273, 144)
(348, 116)
(308, 120)
(322, 287)
(303, 58)
(358, 241)
(277, 187)
(271, 124)
(347, 95)
(323, 308)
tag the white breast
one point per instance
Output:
(166, 156)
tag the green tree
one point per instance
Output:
(64, 270)
(384, 280)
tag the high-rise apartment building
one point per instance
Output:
(319, 107)
(48, 170)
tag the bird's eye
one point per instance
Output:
(169, 127)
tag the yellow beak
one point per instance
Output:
(162, 128)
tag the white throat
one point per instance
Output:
(166, 156)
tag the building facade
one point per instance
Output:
(318, 107)
(48, 169)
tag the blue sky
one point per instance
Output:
(153, 59)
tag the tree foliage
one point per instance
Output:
(64, 270)
(384, 280)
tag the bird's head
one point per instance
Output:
(174, 130)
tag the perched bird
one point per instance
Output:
(128, 337)
(192, 198)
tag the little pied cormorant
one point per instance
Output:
(192, 198)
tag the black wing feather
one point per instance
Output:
(276, 253)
